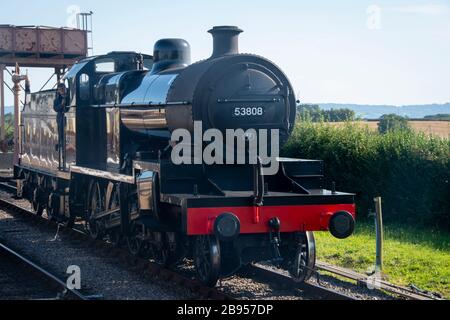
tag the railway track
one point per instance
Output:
(379, 284)
(284, 278)
(20, 278)
(264, 274)
(137, 264)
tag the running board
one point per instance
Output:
(103, 174)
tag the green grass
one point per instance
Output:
(411, 256)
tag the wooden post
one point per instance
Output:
(2, 104)
(379, 235)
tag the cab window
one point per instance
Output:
(105, 66)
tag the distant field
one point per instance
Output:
(439, 128)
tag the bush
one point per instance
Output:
(393, 122)
(312, 112)
(411, 171)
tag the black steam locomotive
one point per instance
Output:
(115, 173)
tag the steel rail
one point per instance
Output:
(312, 288)
(379, 284)
(7, 187)
(65, 290)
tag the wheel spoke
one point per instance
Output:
(304, 260)
(207, 266)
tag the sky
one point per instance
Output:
(351, 51)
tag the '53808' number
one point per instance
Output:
(248, 112)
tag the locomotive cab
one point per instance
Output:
(94, 83)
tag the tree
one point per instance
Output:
(312, 112)
(8, 143)
(439, 117)
(339, 115)
(393, 122)
(308, 112)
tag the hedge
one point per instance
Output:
(410, 170)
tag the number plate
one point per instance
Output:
(248, 111)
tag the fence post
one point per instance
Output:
(379, 235)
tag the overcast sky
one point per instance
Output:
(354, 51)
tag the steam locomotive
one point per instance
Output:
(116, 175)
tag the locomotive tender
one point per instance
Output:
(117, 177)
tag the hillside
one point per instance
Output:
(376, 111)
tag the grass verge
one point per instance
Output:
(411, 255)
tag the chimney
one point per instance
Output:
(226, 40)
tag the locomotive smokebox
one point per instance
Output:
(226, 40)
